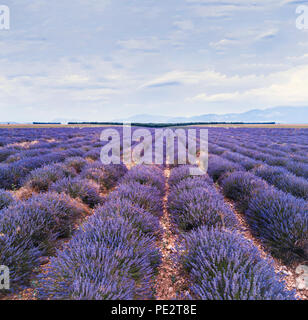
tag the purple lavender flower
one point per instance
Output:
(146, 175)
(219, 166)
(147, 197)
(241, 187)
(108, 259)
(225, 266)
(86, 190)
(194, 202)
(6, 199)
(281, 221)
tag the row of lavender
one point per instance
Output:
(30, 229)
(63, 179)
(280, 140)
(69, 165)
(291, 142)
(291, 161)
(55, 145)
(114, 254)
(276, 176)
(252, 157)
(19, 159)
(13, 137)
(221, 264)
(279, 219)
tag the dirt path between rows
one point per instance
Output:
(171, 282)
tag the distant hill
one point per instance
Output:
(64, 120)
(283, 115)
(291, 115)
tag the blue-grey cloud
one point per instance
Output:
(164, 84)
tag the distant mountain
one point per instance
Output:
(8, 122)
(149, 118)
(64, 120)
(291, 115)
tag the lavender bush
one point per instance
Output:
(40, 179)
(281, 221)
(181, 173)
(225, 266)
(106, 176)
(95, 171)
(5, 199)
(20, 257)
(192, 205)
(109, 259)
(284, 180)
(299, 169)
(5, 153)
(113, 173)
(241, 187)
(42, 219)
(77, 163)
(145, 175)
(86, 190)
(244, 161)
(219, 166)
(139, 218)
(147, 197)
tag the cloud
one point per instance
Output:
(164, 84)
(36, 5)
(269, 34)
(284, 88)
(221, 97)
(205, 78)
(57, 87)
(145, 44)
(224, 9)
(185, 25)
(293, 2)
(300, 58)
(113, 57)
(228, 8)
(221, 44)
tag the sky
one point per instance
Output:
(99, 60)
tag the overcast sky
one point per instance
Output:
(103, 60)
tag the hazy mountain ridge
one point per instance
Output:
(284, 115)
(292, 115)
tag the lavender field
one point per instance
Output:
(74, 228)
